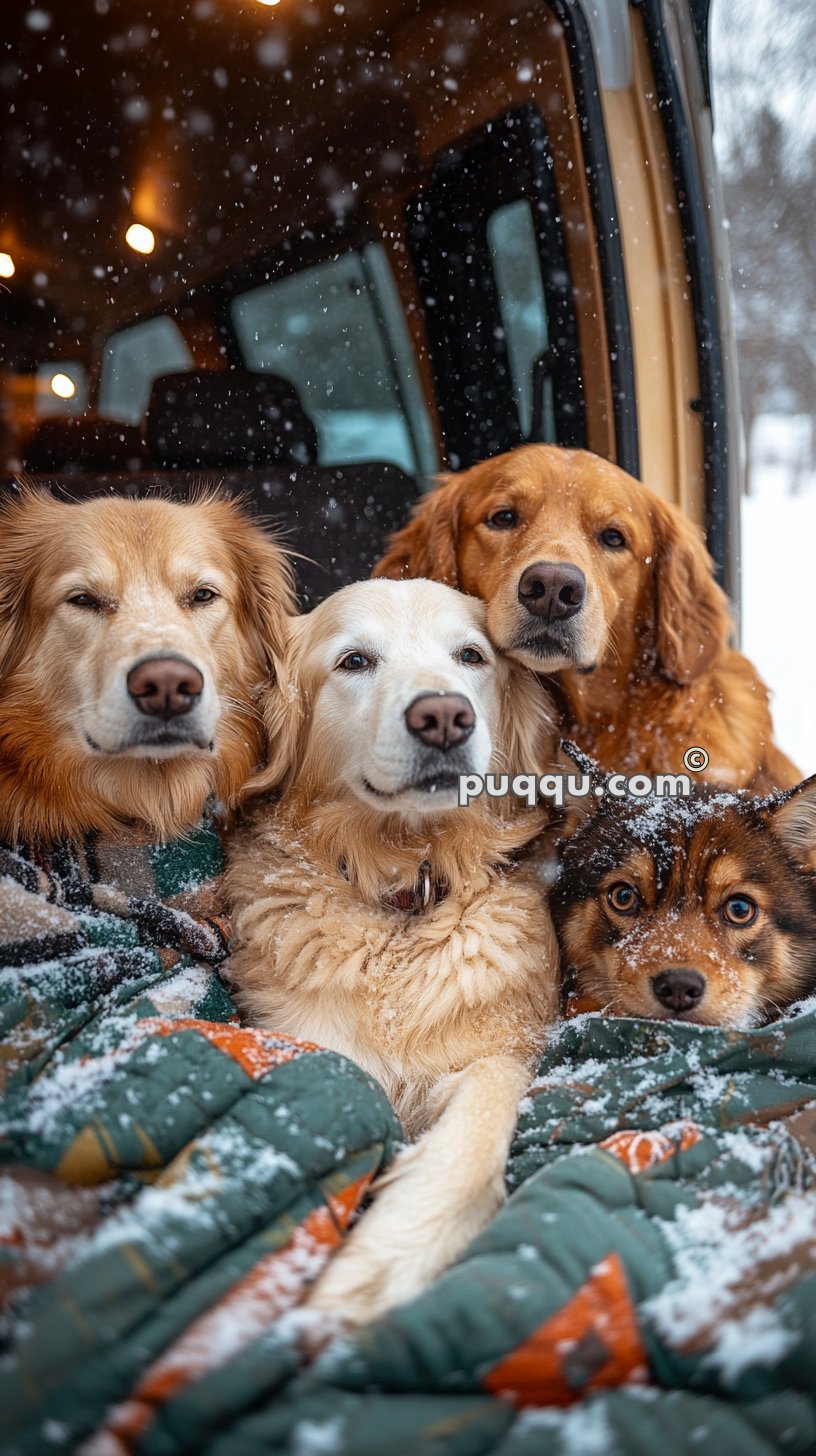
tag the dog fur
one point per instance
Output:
(652, 888)
(447, 1008)
(86, 592)
(644, 670)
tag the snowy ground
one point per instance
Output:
(779, 587)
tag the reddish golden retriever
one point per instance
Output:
(590, 576)
(137, 640)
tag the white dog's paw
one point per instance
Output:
(364, 1281)
(385, 1259)
(429, 1205)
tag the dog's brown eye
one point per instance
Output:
(613, 538)
(86, 600)
(202, 595)
(740, 910)
(623, 899)
(472, 657)
(503, 520)
(354, 662)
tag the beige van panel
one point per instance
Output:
(660, 303)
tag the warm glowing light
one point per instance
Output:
(269, 2)
(140, 238)
(7, 269)
(62, 386)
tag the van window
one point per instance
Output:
(517, 269)
(132, 359)
(336, 332)
(485, 239)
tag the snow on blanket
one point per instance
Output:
(169, 1180)
(173, 1181)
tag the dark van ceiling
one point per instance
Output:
(217, 123)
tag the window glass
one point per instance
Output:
(133, 358)
(517, 269)
(484, 237)
(337, 333)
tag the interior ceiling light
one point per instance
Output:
(140, 238)
(7, 268)
(269, 2)
(62, 386)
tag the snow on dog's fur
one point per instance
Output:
(91, 594)
(700, 910)
(590, 576)
(447, 1005)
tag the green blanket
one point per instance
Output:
(169, 1180)
(174, 1180)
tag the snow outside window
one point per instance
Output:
(132, 360)
(336, 332)
(517, 269)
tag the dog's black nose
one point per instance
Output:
(165, 687)
(553, 590)
(680, 990)
(440, 720)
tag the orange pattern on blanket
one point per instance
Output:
(256, 1052)
(591, 1344)
(93, 1156)
(273, 1286)
(639, 1150)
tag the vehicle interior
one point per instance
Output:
(319, 252)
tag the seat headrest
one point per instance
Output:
(227, 417)
(73, 446)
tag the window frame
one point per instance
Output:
(468, 439)
(323, 246)
(717, 374)
(607, 239)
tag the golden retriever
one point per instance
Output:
(590, 576)
(136, 640)
(376, 917)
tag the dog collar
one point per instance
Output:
(426, 891)
(420, 897)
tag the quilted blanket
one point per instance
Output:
(168, 1180)
(171, 1181)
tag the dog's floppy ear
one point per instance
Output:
(526, 730)
(10, 595)
(267, 606)
(692, 620)
(793, 819)
(21, 528)
(286, 712)
(267, 594)
(428, 546)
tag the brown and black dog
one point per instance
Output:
(702, 909)
(588, 575)
(138, 642)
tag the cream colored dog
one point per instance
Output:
(376, 917)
